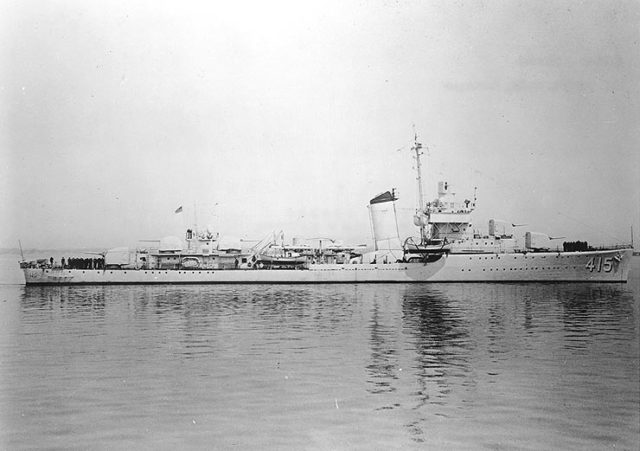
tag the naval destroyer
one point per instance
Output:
(446, 250)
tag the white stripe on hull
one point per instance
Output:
(592, 266)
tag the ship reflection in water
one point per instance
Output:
(332, 366)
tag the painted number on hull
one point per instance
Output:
(599, 264)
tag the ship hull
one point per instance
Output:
(591, 266)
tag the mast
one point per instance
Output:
(417, 148)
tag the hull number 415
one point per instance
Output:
(600, 264)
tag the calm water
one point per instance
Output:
(450, 366)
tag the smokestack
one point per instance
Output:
(385, 223)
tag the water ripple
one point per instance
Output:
(290, 367)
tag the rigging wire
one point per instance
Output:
(503, 186)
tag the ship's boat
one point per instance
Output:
(190, 262)
(270, 261)
(428, 252)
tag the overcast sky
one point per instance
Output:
(292, 115)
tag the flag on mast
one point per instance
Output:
(178, 210)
